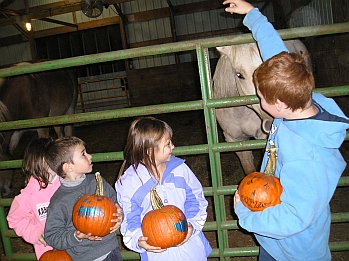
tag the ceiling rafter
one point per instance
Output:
(45, 11)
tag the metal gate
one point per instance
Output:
(218, 191)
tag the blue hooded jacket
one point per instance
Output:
(309, 166)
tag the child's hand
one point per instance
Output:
(142, 242)
(42, 239)
(79, 235)
(236, 198)
(238, 6)
(190, 232)
(119, 217)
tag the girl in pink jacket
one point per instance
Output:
(27, 215)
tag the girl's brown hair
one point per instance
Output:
(33, 164)
(287, 78)
(144, 135)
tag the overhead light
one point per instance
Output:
(28, 26)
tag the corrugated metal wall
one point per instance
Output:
(316, 12)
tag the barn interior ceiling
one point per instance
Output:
(44, 12)
(68, 16)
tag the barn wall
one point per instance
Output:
(140, 32)
(146, 86)
(316, 12)
(330, 59)
(144, 71)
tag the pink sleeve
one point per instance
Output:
(22, 220)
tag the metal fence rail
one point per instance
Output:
(213, 148)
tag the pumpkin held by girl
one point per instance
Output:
(164, 226)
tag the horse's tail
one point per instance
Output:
(73, 82)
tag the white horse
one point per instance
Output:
(233, 77)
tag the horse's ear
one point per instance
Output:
(224, 50)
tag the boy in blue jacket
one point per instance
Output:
(308, 130)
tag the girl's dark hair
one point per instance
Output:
(34, 164)
(144, 135)
(61, 151)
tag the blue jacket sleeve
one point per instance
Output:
(268, 39)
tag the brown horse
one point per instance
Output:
(30, 96)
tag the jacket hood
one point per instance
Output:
(329, 125)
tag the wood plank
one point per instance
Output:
(15, 39)
(81, 26)
(198, 7)
(116, 20)
(149, 15)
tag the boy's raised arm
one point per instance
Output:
(268, 39)
(238, 6)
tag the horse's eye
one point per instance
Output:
(240, 76)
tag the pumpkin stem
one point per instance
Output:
(99, 187)
(271, 164)
(155, 200)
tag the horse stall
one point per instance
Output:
(198, 138)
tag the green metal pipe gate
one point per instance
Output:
(213, 148)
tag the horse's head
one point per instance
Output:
(244, 60)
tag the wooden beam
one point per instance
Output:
(149, 15)
(62, 7)
(197, 7)
(81, 26)
(49, 20)
(14, 39)
(42, 14)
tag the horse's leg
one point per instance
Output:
(6, 182)
(16, 136)
(69, 128)
(59, 131)
(43, 132)
(6, 176)
(246, 159)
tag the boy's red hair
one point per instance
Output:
(285, 77)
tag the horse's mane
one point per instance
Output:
(224, 77)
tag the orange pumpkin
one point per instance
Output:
(55, 255)
(260, 190)
(164, 226)
(92, 213)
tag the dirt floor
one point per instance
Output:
(189, 129)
